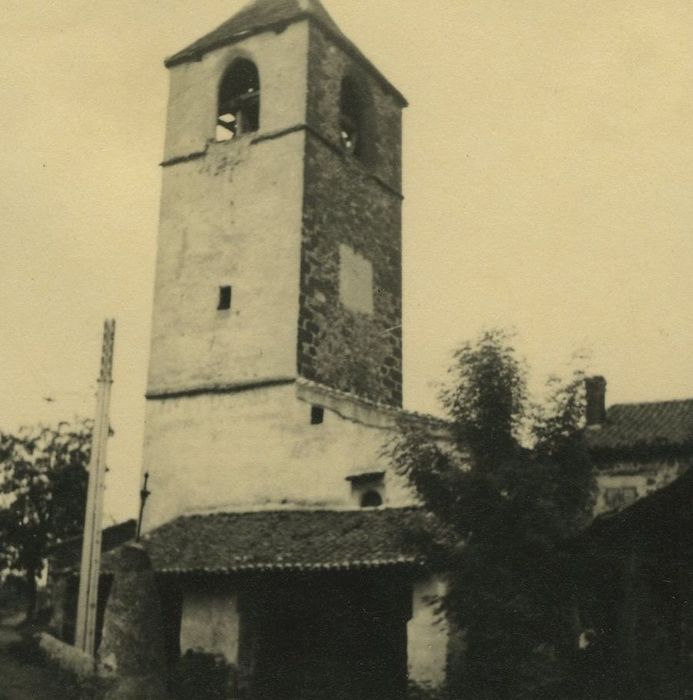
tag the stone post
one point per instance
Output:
(132, 647)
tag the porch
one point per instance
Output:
(307, 605)
(287, 636)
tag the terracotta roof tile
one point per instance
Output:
(662, 425)
(284, 540)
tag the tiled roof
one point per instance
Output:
(257, 15)
(261, 15)
(299, 540)
(662, 425)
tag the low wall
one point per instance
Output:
(67, 657)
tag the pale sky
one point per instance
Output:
(548, 165)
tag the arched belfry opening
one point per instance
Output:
(355, 119)
(239, 101)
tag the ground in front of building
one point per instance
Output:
(23, 675)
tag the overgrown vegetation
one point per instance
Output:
(42, 495)
(515, 484)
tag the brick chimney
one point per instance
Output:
(595, 400)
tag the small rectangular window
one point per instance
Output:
(317, 415)
(620, 497)
(224, 298)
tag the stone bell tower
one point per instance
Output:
(279, 251)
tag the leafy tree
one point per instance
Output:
(42, 495)
(513, 485)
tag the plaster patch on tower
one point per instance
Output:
(355, 280)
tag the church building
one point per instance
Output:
(274, 529)
(275, 524)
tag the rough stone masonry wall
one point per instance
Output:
(347, 202)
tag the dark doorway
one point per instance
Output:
(337, 637)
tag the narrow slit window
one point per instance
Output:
(224, 298)
(239, 101)
(317, 415)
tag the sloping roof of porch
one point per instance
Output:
(280, 540)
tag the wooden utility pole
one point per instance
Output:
(85, 632)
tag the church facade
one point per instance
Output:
(275, 524)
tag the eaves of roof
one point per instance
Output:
(285, 541)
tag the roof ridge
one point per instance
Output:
(253, 16)
(313, 541)
(653, 402)
(645, 428)
(311, 511)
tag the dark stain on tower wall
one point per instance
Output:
(354, 202)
